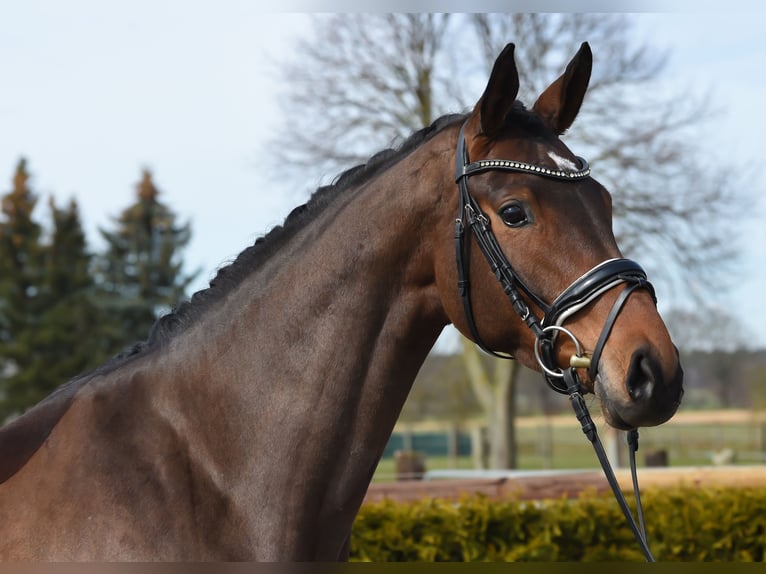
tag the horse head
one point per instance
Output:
(531, 208)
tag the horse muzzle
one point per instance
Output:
(649, 391)
(650, 396)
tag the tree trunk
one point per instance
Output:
(497, 395)
(510, 432)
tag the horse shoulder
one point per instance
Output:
(22, 437)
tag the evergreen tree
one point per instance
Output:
(73, 333)
(141, 271)
(21, 277)
(65, 336)
(56, 320)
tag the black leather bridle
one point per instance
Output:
(589, 287)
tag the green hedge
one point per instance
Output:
(688, 524)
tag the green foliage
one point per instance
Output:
(684, 524)
(53, 331)
(66, 336)
(141, 270)
(710, 524)
(20, 253)
(21, 279)
(57, 319)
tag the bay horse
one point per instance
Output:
(249, 424)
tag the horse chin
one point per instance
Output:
(622, 413)
(612, 414)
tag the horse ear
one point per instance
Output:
(500, 93)
(559, 103)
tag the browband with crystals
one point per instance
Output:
(507, 165)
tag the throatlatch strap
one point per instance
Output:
(464, 288)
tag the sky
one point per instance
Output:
(92, 92)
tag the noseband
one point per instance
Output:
(585, 290)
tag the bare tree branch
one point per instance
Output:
(365, 81)
(669, 201)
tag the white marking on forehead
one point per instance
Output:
(563, 163)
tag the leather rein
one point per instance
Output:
(589, 287)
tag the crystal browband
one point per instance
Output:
(503, 164)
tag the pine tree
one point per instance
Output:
(21, 277)
(71, 336)
(141, 270)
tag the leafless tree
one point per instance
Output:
(363, 81)
(669, 201)
(708, 329)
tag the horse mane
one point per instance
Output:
(21, 438)
(230, 276)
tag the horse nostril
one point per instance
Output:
(654, 390)
(643, 376)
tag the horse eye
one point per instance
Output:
(513, 215)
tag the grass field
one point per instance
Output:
(690, 439)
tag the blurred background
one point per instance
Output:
(143, 145)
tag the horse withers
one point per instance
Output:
(248, 426)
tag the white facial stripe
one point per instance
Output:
(563, 163)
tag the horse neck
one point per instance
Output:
(309, 361)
